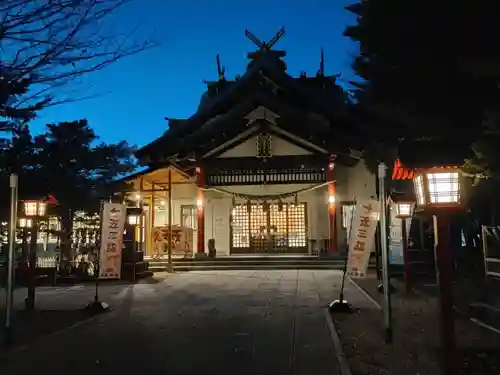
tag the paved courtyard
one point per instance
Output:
(223, 322)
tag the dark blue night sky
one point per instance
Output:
(136, 94)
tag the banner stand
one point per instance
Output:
(97, 306)
(341, 305)
(112, 219)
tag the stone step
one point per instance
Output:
(243, 263)
(239, 266)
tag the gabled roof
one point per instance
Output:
(302, 101)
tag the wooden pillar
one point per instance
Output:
(169, 243)
(332, 219)
(200, 183)
(140, 246)
(152, 215)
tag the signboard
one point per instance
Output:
(182, 240)
(110, 255)
(364, 225)
(396, 237)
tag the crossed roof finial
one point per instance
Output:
(265, 46)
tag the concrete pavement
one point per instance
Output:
(224, 321)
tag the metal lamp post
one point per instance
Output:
(13, 184)
(33, 210)
(438, 191)
(404, 211)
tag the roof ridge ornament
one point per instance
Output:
(265, 46)
(220, 69)
(261, 113)
(321, 71)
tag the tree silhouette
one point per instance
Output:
(78, 170)
(429, 71)
(421, 67)
(68, 162)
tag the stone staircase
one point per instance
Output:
(250, 262)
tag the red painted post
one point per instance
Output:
(445, 274)
(332, 223)
(200, 182)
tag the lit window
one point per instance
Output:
(443, 187)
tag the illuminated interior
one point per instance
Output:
(444, 187)
(279, 227)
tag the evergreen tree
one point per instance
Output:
(420, 64)
(79, 170)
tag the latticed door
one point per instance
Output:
(272, 229)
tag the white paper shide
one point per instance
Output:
(110, 257)
(362, 237)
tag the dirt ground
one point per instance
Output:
(415, 348)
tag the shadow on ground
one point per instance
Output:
(29, 326)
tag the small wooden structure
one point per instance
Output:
(153, 191)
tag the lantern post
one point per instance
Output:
(438, 192)
(34, 210)
(404, 211)
(25, 224)
(134, 219)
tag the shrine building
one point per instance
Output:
(268, 164)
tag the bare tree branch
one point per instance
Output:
(46, 44)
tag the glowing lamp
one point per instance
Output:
(331, 199)
(25, 223)
(134, 219)
(438, 187)
(404, 210)
(134, 215)
(199, 202)
(35, 208)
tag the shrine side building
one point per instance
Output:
(268, 164)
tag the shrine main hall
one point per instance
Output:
(268, 164)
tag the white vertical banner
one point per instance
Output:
(362, 237)
(112, 226)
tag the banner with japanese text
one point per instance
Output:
(112, 226)
(362, 237)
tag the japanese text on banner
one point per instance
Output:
(362, 235)
(112, 226)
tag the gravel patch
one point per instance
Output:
(415, 349)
